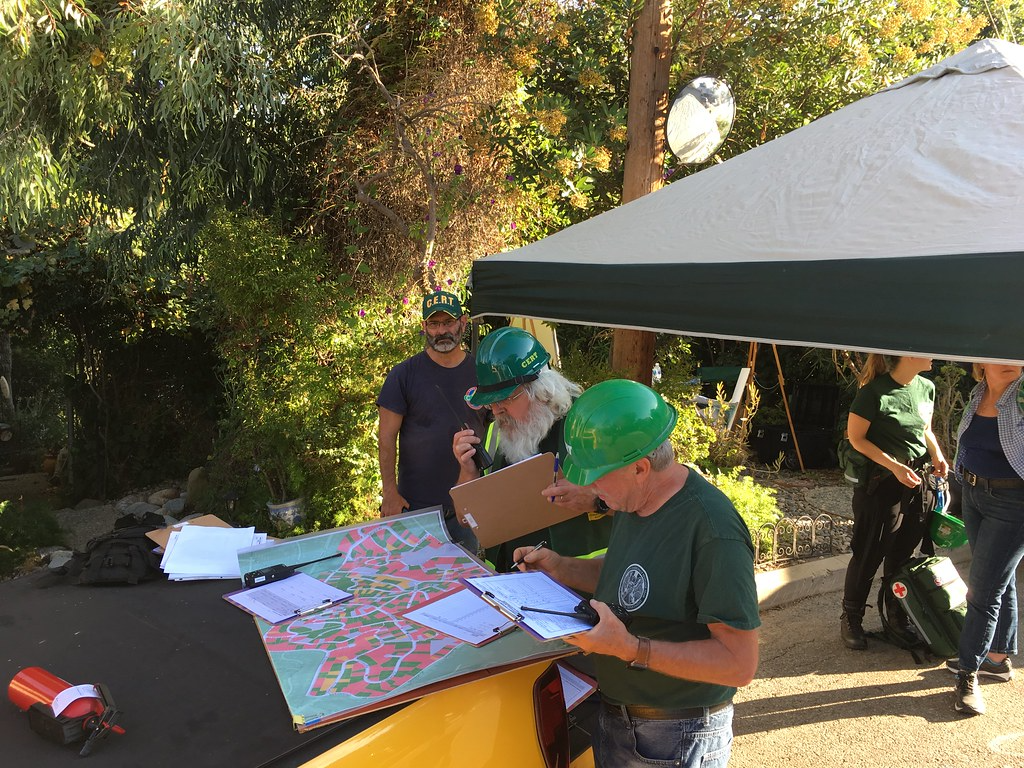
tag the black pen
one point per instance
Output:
(522, 559)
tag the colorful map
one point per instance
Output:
(362, 654)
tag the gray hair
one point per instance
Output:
(554, 390)
(662, 456)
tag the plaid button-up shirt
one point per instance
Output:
(1010, 420)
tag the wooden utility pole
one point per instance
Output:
(649, 64)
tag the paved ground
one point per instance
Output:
(815, 703)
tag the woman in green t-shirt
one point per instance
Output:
(891, 423)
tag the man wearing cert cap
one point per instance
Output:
(680, 560)
(529, 401)
(419, 407)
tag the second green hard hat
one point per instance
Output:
(611, 425)
(507, 358)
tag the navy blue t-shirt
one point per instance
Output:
(427, 469)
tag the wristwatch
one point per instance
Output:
(643, 653)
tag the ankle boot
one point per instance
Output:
(851, 628)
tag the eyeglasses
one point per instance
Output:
(433, 325)
(505, 401)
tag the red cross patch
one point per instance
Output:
(899, 589)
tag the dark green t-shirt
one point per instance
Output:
(580, 535)
(688, 565)
(898, 414)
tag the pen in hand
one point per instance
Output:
(522, 559)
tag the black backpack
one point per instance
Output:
(123, 556)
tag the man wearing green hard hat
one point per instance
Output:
(681, 562)
(529, 401)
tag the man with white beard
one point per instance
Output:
(420, 406)
(529, 402)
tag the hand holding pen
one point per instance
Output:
(522, 558)
(554, 480)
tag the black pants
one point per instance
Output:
(888, 524)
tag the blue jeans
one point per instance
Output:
(628, 742)
(995, 529)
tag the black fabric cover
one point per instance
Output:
(187, 670)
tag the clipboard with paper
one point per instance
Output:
(533, 601)
(503, 505)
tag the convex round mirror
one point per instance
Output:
(699, 119)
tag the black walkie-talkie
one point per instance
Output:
(481, 458)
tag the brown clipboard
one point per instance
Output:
(506, 504)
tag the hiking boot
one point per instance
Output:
(851, 629)
(967, 696)
(1003, 671)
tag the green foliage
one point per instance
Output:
(115, 109)
(391, 158)
(125, 362)
(756, 503)
(951, 386)
(23, 529)
(304, 358)
(39, 429)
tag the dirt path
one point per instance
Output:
(815, 704)
(32, 487)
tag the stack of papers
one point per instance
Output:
(205, 552)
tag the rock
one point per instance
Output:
(123, 504)
(81, 525)
(59, 559)
(161, 497)
(173, 507)
(198, 483)
(89, 504)
(139, 509)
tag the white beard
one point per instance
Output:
(521, 439)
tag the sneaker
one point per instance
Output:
(1003, 671)
(967, 695)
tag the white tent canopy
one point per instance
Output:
(895, 224)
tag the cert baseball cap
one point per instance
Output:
(441, 301)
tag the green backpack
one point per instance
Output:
(855, 465)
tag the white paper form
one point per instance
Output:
(575, 686)
(462, 614)
(206, 552)
(290, 598)
(512, 592)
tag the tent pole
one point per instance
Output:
(785, 402)
(751, 363)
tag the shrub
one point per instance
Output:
(23, 529)
(305, 354)
(756, 503)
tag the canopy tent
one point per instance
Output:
(895, 224)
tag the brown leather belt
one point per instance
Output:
(656, 713)
(996, 482)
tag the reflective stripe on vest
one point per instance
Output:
(491, 441)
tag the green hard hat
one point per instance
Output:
(507, 358)
(611, 425)
(948, 531)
